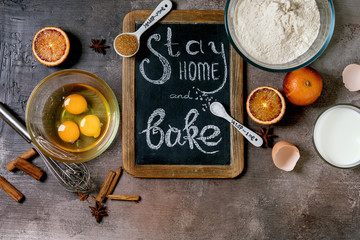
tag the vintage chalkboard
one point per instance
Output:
(177, 80)
(184, 63)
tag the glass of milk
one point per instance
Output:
(336, 135)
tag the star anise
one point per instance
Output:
(98, 211)
(264, 133)
(83, 197)
(98, 46)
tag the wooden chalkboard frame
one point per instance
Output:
(128, 107)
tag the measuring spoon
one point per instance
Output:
(132, 40)
(218, 109)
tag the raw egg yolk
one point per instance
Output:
(69, 131)
(90, 126)
(75, 104)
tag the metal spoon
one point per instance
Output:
(160, 11)
(218, 109)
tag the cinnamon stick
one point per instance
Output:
(10, 190)
(114, 181)
(26, 167)
(124, 197)
(105, 187)
(29, 168)
(26, 155)
(11, 165)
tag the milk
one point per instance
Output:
(337, 136)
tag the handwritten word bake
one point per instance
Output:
(207, 138)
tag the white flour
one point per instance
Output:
(276, 32)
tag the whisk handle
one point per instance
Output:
(14, 123)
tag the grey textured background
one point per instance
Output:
(315, 201)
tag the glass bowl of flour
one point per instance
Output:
(281, 35)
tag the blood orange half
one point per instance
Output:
(265, 105)
(51, 46)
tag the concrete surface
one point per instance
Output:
(315, 201)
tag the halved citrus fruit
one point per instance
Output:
(265, 105)
(51, 46)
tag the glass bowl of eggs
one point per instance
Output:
(72, 116)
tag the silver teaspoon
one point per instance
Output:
(218, 109)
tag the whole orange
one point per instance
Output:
(302, 87)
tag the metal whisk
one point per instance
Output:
(72, 176)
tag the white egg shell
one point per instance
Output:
(351, 77)
(285, 155)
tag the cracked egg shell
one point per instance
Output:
(285, 155)
(351, 77)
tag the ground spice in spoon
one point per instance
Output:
(126, 44)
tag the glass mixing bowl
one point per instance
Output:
(327, 24)
(40, 110)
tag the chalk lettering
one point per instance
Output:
(191, 42)
(205, 71)
(169, 44)
(165, 63)
(181, 96)
(207, 136)
(222, 53)
(153, 129)
(201, 71)
(192, 72)
(216, 132)
(177, 139)
(213, 70)
(182, 71)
